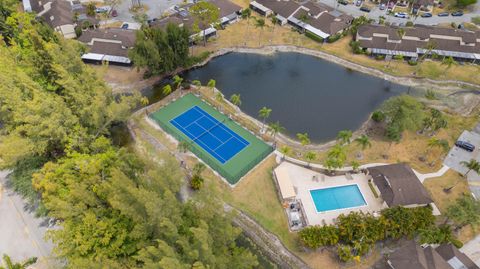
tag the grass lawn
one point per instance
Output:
(247, 35)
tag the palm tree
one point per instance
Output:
(355, 165)
(167, 89)
(275, 128)
(400, 33)
(448, 62)
(11, 265)
(235, 99)
(211, 84)
(264, 113)
(246, 13)
(363, 141)
(310, 156)
(177, 81)
(260, 23)
(471, 165)
(285, 150)
(344, 136)
(274, 23)
(304, 139)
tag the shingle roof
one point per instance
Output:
(412, 256)
(449, 252)
(109, 41)
(399, 185)
(226, 7)
(283, 8)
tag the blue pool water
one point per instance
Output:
(337, 198)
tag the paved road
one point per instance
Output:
(376, 13)
(155, 8)
(21, 234)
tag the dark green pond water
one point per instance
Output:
(305, 93)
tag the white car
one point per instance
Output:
(401, 15)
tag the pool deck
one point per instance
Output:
(305, 180)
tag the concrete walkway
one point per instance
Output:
(472, 250)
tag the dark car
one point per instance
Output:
(465, 145)
(114, 13)
(343, 2)
(443, 14)
(125, 26)
(457, 13)
(426, 15)
(358, 3)
(365, 9)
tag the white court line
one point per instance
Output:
(195, 121)
(230, 132)
(224, 143)
(208, 131)
(199, 141)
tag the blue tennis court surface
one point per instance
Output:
(210, 134)
(340, 197)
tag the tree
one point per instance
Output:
(465, 211)
(235, 99)
(471, 165)
(275, 128)
(344, 137)
(439, 143)
(402, 113)
(318, 236)
(285, 150)
(264, 113)
(260, 23)
(205, 13)
(197, 180)
(304, 139)
(310, 156)
(167, 89)
(246, 14)
(177, 81)
(465, 3)
(363, 141)
(448, 62)
(183, 146)
(274, 20)
(197, 83)
(11, 265)
(211, 84)
(436, 235)
(336, 157)
(355, 165)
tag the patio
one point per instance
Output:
(304, 180)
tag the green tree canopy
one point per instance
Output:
(402, 113)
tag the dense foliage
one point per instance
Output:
(113, 209)
(161, 51)
(358, 232)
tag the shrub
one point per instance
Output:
(344, 253)
(430, 95)
(317, 236)
(464, 3)
(412, 62)
(457, 243)
(379, 57)
(476, 20)
(314, 37)
(196, 182)
(334, 38)
(378, 116)
(78, 31)
(355, 45)
(409, 24)
(398, 57)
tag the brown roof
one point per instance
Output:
(399, 185)
(329, 24)
(59, 14)
(226, 7)
(449, 252)
(283, 8)
(424, 33)
(125, 40)
(412, 256)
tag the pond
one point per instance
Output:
(305, 93)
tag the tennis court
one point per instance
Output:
(219, 141)
(211, 134)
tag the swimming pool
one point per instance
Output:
(335, 198)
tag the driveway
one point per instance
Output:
(21, 234)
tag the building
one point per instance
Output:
(314, 18)
(63, 16)
(446, 256)
(462, 45)
(398, 185)
(229, 13)
(111, 45)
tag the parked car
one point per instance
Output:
(401, 15)
(382, 7)
(457, 13)
(365, 9)
(426, 15)
(114, 13)
(104, 9)
(125, 26)
(358, 3)
(465, 145)
(343, 2)
(443, 14)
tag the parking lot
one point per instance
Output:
(457, 155)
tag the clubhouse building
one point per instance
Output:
(314, 18)
(461, 45)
